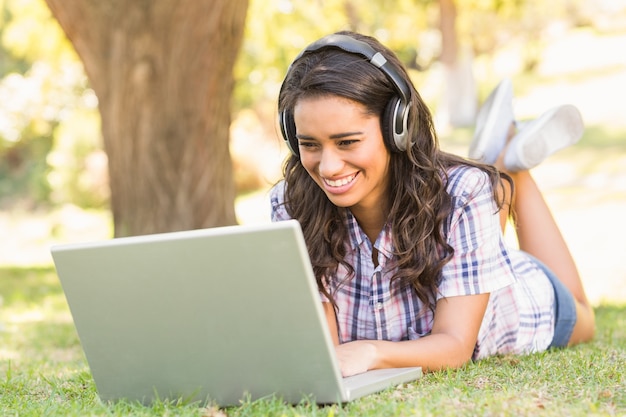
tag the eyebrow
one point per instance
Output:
(335, 136)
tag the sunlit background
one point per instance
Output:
(53, 171)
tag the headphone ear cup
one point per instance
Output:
(288, 130)
(387, 123)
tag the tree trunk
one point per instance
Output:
(460, 90)
(162, 72)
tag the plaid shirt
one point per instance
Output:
(520, 312)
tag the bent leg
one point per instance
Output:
(539, 235)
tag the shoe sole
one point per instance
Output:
(554, 130)
(480, 144)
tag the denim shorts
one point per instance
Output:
(564, 308)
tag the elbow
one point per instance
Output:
(461, 353)
(457, 355)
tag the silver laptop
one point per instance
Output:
(220, 315)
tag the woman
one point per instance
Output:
(406, 240)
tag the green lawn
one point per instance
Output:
(43, 372)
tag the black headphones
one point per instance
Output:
(394, 121)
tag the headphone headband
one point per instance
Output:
(394, 121)
(355, 46)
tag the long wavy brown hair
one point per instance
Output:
(418, 201)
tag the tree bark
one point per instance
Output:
(162, 72)
(460, 91)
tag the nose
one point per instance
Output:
(331, 163)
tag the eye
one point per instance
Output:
(306, 144)
(347, 142)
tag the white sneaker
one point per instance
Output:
(493, 123)
(554, 130)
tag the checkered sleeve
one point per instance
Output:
(481, 262)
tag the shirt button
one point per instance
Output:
(379, 306)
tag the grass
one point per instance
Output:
(43, 372)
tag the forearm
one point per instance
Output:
(450, 344)
(432, 352)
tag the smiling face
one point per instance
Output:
(341, 147)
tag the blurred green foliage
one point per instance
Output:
(50, 139)
(48, 114)
(276, 30)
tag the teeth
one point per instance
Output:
(339, 183)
